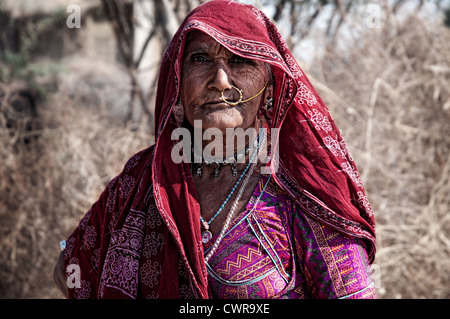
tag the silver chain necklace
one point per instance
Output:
(234, 206)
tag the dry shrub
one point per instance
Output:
(390, 94)
(48, 184)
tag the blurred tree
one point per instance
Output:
(447, 17)
(302, 14)
(18, 41)
(143, 30)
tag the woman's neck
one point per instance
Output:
(217, 146)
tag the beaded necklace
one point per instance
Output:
(217, 164)
(207, 235)
(222, 234)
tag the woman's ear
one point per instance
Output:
(267, 101)
(178, 112)
(268, 92)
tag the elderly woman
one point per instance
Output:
(294, 223)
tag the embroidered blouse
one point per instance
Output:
(273, 250)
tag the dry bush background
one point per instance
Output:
(390, 95)
(389, 92)
(47, 185)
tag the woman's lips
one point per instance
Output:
(218, 104)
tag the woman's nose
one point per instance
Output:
(220, 80)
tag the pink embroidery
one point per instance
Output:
(95, 259)
(84, 292)
(152, 244)
(345, 149)
(132, 162)
(362, 199)
(259, 15)
(337, 148)
(89, 237)
(70, 245)
(126, 185)
(150, 273)
(293, 66)
(304, 95)
(153, 295)
(350, 170)
(320, 121)
(153, 218)
(121, 266)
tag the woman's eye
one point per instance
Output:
(199, 58)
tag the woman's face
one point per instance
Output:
(208, 69)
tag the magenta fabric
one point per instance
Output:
(142, 238)
(274, 250)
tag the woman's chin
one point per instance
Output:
(221, 121)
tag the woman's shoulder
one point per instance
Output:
(133, 170)
(139, 161)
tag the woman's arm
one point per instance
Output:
(334, 264)
(59, 275)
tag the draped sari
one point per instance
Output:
(142, 238)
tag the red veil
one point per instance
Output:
(315, 168)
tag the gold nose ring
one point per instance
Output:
(230, 102)
(240, 96)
